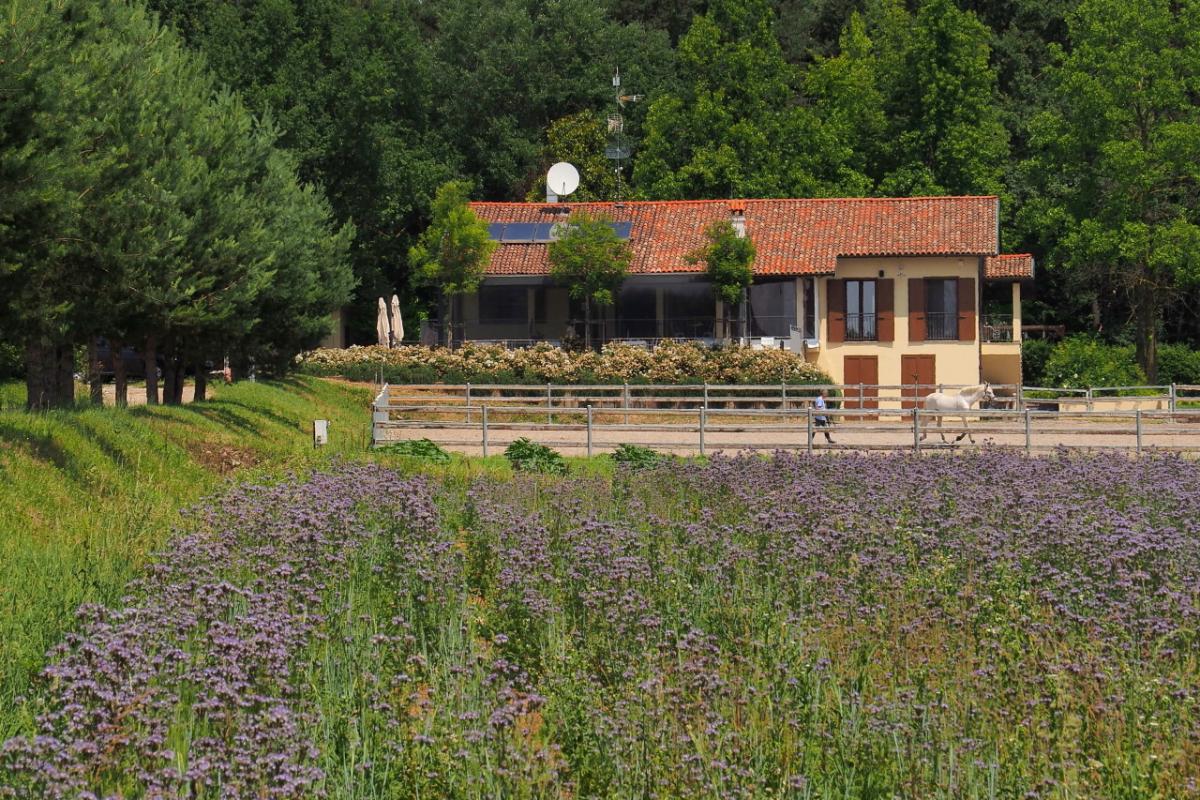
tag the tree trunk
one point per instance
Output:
(180, 380)
(120, 380)
(95, 379)
(151, 359)
(173, 378)
(1147, 332)
(742, 320)
(41, 364)
(587, 323)
(201, 392)
(448, 320)
(66, 375)
(49, 375)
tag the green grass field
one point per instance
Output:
(87, 495)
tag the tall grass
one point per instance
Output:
(86, 495)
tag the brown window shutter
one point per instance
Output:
(885, 310)
(835, 301)
(966, 309)
(916, 310)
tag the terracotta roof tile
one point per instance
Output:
(1018, 265)
(792, 237)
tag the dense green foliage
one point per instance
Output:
(383, 102)
(452, 252)
(728, 261)
(420, 449)
(87, 496)
(591, 261)
(1081, 361)
(635, 456)
(145, 204)
(1080, 114)
(528, 456)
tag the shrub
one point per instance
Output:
(670, 362)
(1178, 363)
(1034, 354)
(423, 449)
(1080, 362)
(528, 456)
(636, 457)
(12, 365)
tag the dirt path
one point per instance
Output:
(684, 439)
(137, 394)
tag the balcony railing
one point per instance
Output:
(861, 328)
(941, 325)
(996, 328)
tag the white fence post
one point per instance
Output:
(1171, 402)
(625, 401)
(783, 396)
(589, 430)
(916, 429)
(483, 411)
(1090, 407)
(549, 406)
(1137, 422)
(703, 416)
(468, 403)
(706, 395)
(1028, 435)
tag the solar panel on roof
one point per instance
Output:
(519, 232)
(495, 231)
(543, 232)
(623, 229)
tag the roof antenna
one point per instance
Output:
(618, 151)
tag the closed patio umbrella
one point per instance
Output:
(397, 323)
(381, 323)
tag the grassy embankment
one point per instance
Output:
(87, 495)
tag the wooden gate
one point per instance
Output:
(916, 373)
(864, 370)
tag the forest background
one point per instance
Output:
(1082, 115)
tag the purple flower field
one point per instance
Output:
(855, 626)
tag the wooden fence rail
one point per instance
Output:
(714, 420)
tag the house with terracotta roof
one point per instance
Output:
(873, 290)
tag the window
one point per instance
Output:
(810, 308)
(503, 304)
(941, 308)
(772, 308)
(860, 311)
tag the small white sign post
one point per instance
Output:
(320, 432)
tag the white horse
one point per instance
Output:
(962, 400)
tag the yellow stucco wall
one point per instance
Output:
(1001, 363)
(955, 362)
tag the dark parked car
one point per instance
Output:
(135, 365)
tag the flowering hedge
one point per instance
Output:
(669, 362)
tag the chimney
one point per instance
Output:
(737, 211)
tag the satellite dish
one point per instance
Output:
(561, 180)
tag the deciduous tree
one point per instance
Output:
(729, 263)
(453, 252)
(591, 260)
(1118, 152)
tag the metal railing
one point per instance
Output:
(996, 328)
(861, 328)
(770, 409)
(941, 325)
